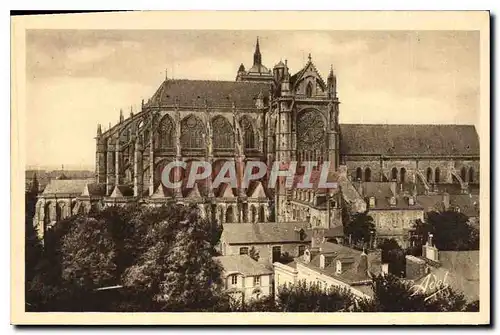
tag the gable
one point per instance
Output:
(308, 76)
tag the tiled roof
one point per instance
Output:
(337, 231)
(247, 233)
(397, 139)
(430, 202)
(216, 93)
(350, 273)
(94, 189)
(243, 264)
(67, 186)
(468, 204)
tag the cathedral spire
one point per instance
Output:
(257, 57)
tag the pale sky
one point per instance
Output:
(76, 79)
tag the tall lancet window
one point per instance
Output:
(165, 134)
(192, 131)
(249, 135)
(309, 90)
(223, 133)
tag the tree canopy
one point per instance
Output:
(157, 258)
(451, 231)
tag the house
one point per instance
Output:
(393, 211)
(245, 278)
(458, 269)
(330, 264)
(272, 242)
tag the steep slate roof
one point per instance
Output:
(216, 93)
(66, 186)
(243, 264)
(248, 233)
(398, 139)
(350, 273)
(466, 204)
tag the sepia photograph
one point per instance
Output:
(331, 173)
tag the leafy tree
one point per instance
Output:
(155, 253)
(89, 254)
(359, 228)
(305, 297)
(177, 269)
(451, 231)
(394, 255)
(392, 294)
(254, 254)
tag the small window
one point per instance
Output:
(234, 279)
(276, 253)
(244, 251)
(302, 249)
(256, 281)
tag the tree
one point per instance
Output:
(359, 228)
(305, 297)
(451, 231)
(155, 253)
(178, 270)
(394, 255)
(254, 254)
(392, 294)
(89, 254)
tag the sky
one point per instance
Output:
(79, 78)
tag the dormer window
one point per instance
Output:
(338, 268)
(307, 256)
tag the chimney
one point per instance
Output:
(372, 202)
(363, 263)
(309, 254)
(317, 238)
(446, 200)
(385, 268)
(429, 251)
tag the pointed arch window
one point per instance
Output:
(403, 175)
(437, 175)
(471, 175)
(223, 133)
(166, 132)
(394, 174)
(368, 174)
(359, 174)
(192, 131)
(249, 135)
(309, 90)
(429, 175)
(463, 173)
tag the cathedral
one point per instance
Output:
(394, 172)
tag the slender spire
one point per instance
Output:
(99, 129)
(166, 74)
(309, 57)
(34, 184)
(121, 115)
(257, 57)
(331, 75)
(131, 111)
